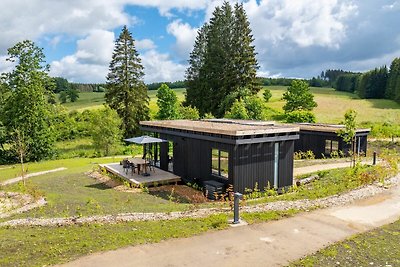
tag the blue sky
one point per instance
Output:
(293, 38)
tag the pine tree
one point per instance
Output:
(127, 93)
(222, 62)
(26, 109)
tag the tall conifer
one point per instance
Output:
(127, 93)
(223, 61)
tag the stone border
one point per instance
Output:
(305, 204)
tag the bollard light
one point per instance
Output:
(237, 197)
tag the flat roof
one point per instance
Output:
(325, 127)
(224, 126)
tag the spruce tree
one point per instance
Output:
(223, 62)
(126, 91)
(245, 61)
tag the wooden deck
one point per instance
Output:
(158, 177)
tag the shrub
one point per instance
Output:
(300, 116)
(267, 94)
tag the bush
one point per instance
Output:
(188, 113)
(300, 116)
(267, 94)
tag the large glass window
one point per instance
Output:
(331, 146)
(220, 163)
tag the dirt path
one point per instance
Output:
(19, 178)
(267, 244)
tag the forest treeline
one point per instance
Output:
(377, 83)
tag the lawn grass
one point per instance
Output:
(40, 246)
(74, 166)
(379, 247)
(83, 147)
(95, 100)
(72, 193)
(86, 100)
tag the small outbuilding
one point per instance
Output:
(323, 140)
(244, 154)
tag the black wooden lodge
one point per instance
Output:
(245, 154)
(323, 140)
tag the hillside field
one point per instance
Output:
(331, 104)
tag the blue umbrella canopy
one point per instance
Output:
(141, 140)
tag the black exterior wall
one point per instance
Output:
(315, 142)
(250, 165)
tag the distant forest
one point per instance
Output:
(377, 83)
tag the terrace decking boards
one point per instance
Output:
(157, 177)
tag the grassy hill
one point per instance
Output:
(331, 104)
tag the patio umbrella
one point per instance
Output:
(143, 140)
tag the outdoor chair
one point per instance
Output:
(133, 166)
(126, 166)
(151, 165)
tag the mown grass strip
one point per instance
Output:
(379, 247)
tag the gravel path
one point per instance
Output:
(335, 200)
(19, 178)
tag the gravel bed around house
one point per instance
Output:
(335, 200)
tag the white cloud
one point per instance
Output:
(145, 44)
(159, 67)
(90, 61)
(36, 18)
(305, 23)
(395, 6)
(185, 36)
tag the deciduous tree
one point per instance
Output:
(105, 130)
(348, 134)
(298, 97)
(167, 103)
(26, 107)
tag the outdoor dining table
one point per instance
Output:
(141, 163)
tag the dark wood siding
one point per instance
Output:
(315, 141)
(253, 166)
(249, 165)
